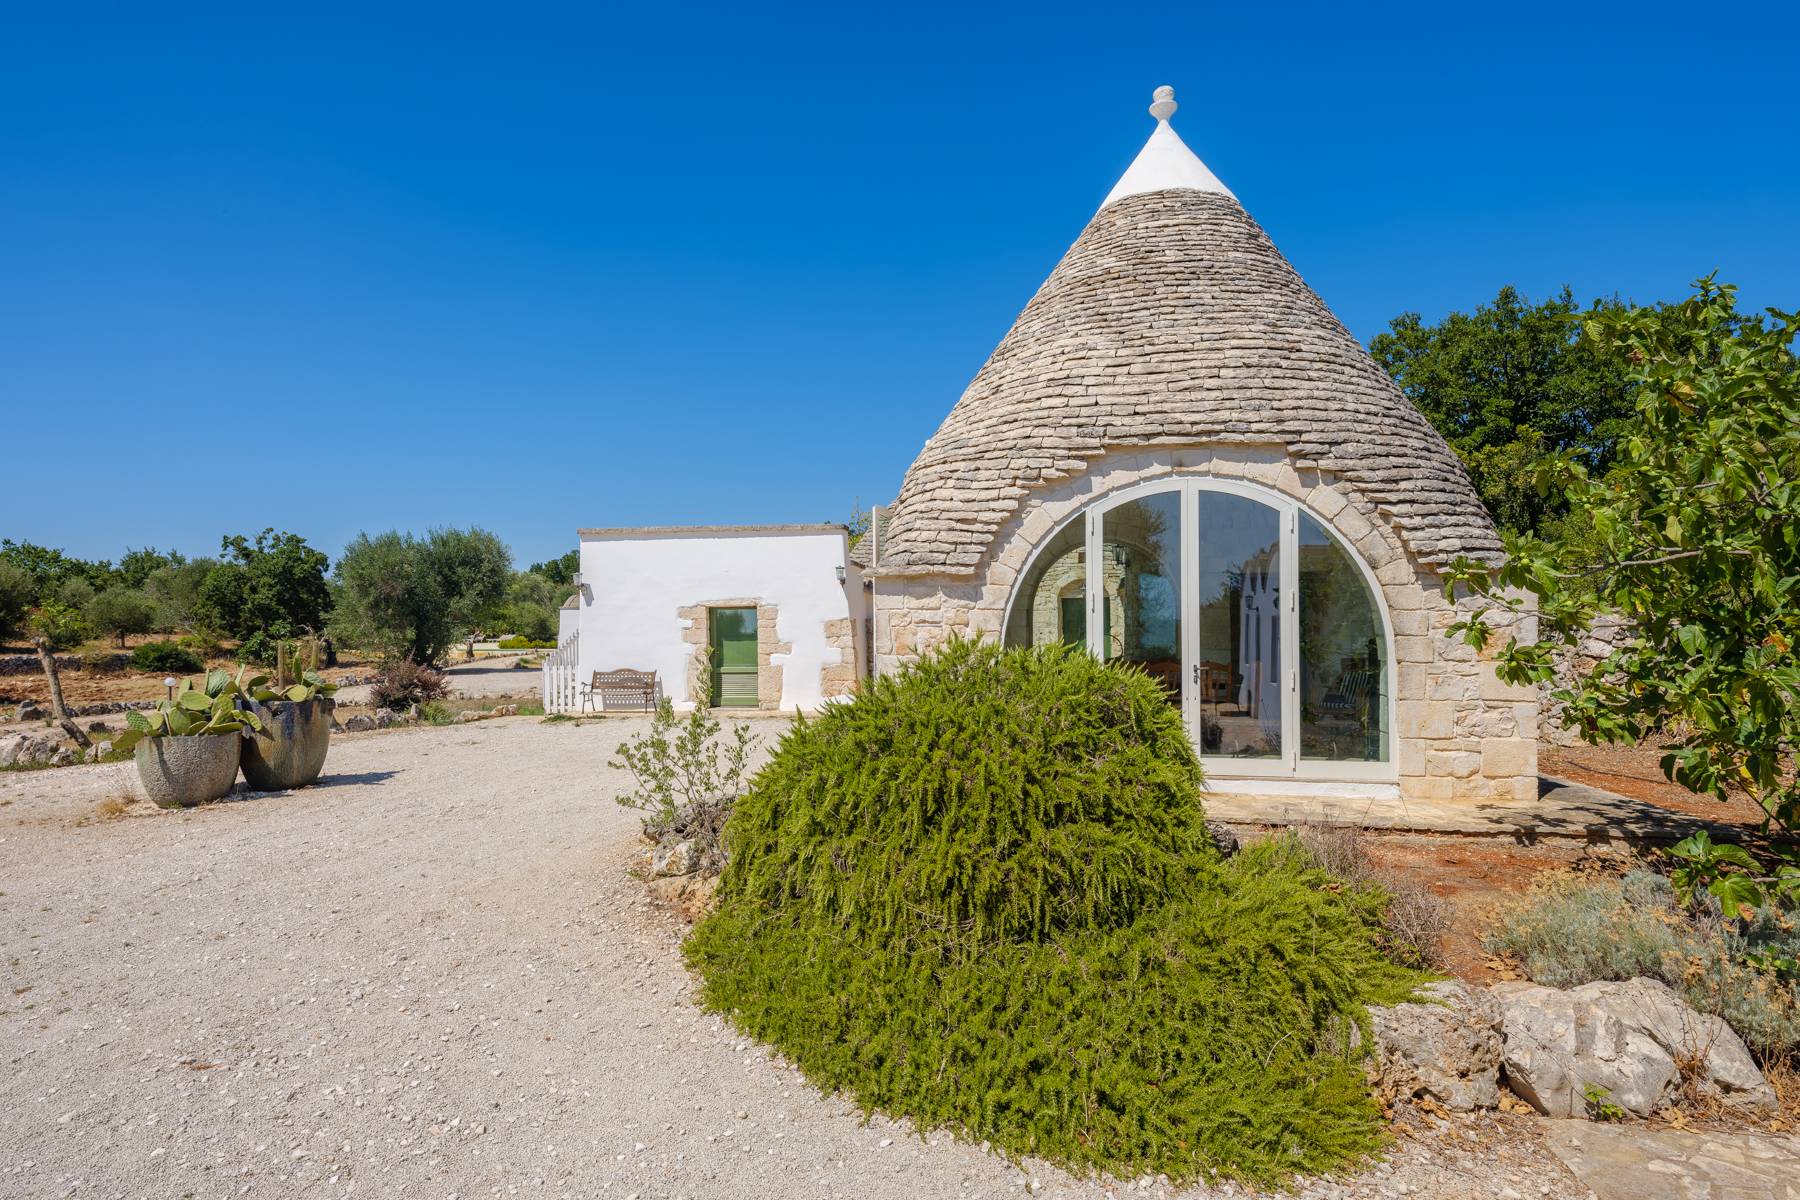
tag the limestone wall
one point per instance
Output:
(1460, 733)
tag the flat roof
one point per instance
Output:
(708, 530)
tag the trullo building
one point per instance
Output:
(1181, 459)
(1178, 458)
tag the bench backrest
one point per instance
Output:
(625, 679)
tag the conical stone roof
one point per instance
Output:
(1173, 321)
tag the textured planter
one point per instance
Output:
(290, 750)
(180, 772)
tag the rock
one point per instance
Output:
(387, 718)
(675, 858)
(9, 749)
(99, 727)
(1633, 1039)
(30, 710)
(359, 723)
(1223, 839)
(98, 751)
(1447, 1048)
(64, 756)
(464, 718)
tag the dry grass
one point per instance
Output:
(113, 808)
(1416, 921)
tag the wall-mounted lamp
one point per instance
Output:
(842, 574)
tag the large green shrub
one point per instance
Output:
(981, 895)
(165, 658)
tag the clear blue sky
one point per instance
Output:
(534, 268)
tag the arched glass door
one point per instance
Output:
(1253, 617)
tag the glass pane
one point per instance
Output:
(1239, 671)
(1343, 655)
(1051, 604)
(1141, 572)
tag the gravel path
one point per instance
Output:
(431, 976)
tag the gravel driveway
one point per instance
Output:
(431, 976)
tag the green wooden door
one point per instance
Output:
(733, 641)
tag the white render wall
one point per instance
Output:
(635, 582)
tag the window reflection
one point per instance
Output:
(1239, 671)
(1051, 603)
(1343, 656)
(1141, 574)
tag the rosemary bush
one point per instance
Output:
(981, 894)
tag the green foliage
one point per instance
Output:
(413, 598)
(1738, 880)
(209, 708)
(15, 599)
(1599, 1103)
(49, 569)
(57, 624)
(1695, 541)
(1510, 385)
(529, 608)
(436, 712)
(1568, 931)
(74, 592)
(981, 894)
(121, 610)
(560, 571)
(164, 658)
(525, 643)
(175, 590)
(680, 765)
(136, 566)
(274, 586)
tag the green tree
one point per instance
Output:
(15, 599)
(414, 598)
(1510, 386)
(50, 569)
(175, 589)
(1694, 539)
(121, 610)
(274, 586)
(473, 568)
(530, 606)
(135, 566)
(559, 570)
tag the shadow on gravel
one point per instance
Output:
(326, 781)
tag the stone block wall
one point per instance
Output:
(1460, 733)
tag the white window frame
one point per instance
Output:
(1289, 765)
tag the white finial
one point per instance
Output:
(1164, 103)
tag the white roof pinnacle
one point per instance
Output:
(1165, 162)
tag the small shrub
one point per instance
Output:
(259, 648)
(531, 710)
(687, 777)
(981, 894)
(435, 712)
(165, 658)
(400, 685)
(1568, 931)
(524, 643)
(1413, 918)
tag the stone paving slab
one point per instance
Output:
(1562, 809)
(1631, 1162)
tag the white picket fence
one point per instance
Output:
(559, 677)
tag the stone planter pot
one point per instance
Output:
(180, 772)
(290, 750)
